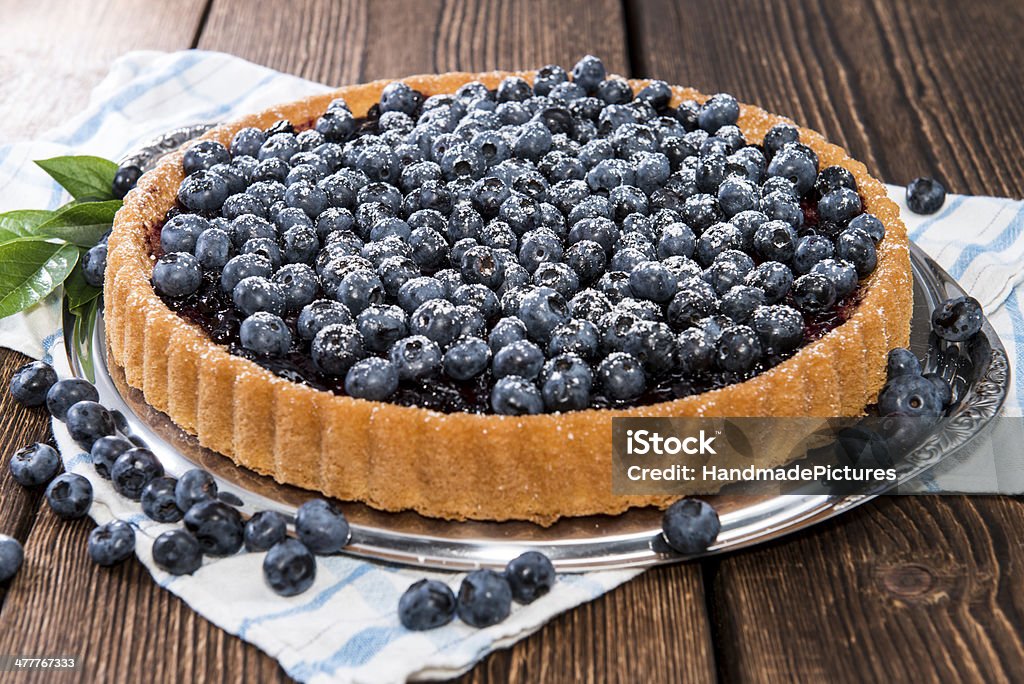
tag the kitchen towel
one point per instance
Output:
(345, 627)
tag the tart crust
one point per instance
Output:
(461, 466)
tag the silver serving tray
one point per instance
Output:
(978, 372)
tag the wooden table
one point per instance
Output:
(924, 588)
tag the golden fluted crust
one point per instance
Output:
(460, 466)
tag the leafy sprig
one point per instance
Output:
(40, 250)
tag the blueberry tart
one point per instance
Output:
(435, 293)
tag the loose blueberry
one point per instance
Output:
(11, 557)
(217, 527)
(485, 598)
(530, 576)
(194, 486)
(958, 319)
(427, 604)
(31, 382)
(34, 465)
(87, 421)
(66, 393)
(125, 180)
(925, 195)
(913, 396)
(690, 526)
(94, 263)
(158, 501)
(263, 530)
(322, 527)
(177, 552)
(133, 470)
(111, 543)
(902, 362)
(69, 495)
(289, 568)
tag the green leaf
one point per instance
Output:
(22, 223)
(83, 176)
(81, 224)
(79, 293)
(30, 270)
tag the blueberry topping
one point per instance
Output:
(690, 526)
(111, 543)
(494, 250)
(813, 293)
(177, 274)
(467, 358)
(621, 376)
(265, 334)
(515, 396)
(373, 378)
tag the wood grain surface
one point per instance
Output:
(54, 52)
(903, 589)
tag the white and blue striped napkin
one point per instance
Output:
(345, 628)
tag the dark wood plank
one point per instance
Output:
(116, 621)
(653, 628)
(53, 53)
(906, 589)
(353, 41)
(18, 427)
(909, 92)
